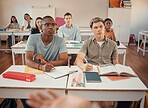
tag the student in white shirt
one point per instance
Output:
(27, 24)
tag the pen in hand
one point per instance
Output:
(46, 63)
(87, 66)
(85, 60)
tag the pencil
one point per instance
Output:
(85, 60)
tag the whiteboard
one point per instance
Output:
(42, 11)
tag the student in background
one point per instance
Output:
(69, 31)
(13, 25)
(109, 31)
(27, 24)
(39, 100)
(38, 26)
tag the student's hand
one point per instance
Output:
(88, 67)
(40, 58)
(39, 100)
(47, 67)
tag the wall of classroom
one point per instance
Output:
(139, 16)
(82, 10)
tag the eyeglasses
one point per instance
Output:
(49, 24)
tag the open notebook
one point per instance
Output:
(117, 70)
(60, 71)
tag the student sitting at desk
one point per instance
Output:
(38, 26)
(69, 32)
(109, 31)
(98, 50)
(13, 25)
(27, 24)
(52, 48)
(45, 50)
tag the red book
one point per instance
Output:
(19, 76)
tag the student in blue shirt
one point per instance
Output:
(45, 50)
(69, 31)
(52, 48)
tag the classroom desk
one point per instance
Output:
(122, 50)
(19, 48)
(85, 30)
(20, 89)
(87, 34)
(131, 89)
(143, 35)
(13, 33)
(5, 33)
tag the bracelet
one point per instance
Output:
(39, 66)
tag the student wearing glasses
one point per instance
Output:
(45, 50)
(52, 48)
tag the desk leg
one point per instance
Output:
(13, 59)
(23, 59)
(124, 58)
(138, 43)
(144, 42)
(142, 102)
(13, 39)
